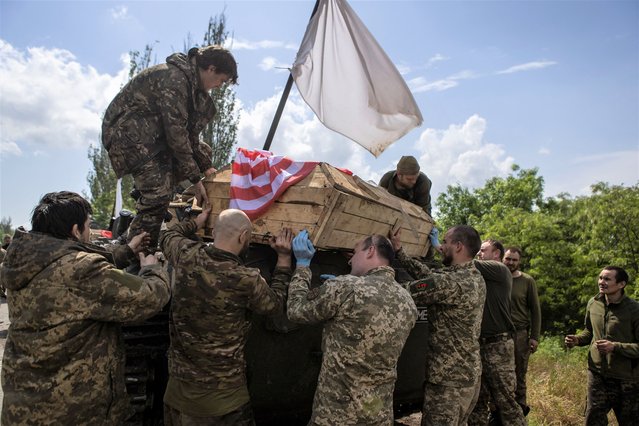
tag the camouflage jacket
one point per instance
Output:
(366, 323)
(160, 109)
(419, 194)
(210, 310)
(64, 360)
(455, 297)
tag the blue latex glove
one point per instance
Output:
(434, 238)
(303, 249)
(325, 277)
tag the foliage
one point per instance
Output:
(557, 383)
(557, 380)
(460, 206)
(6, 228)
(565, 241)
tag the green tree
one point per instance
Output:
(607, 226)
(461, 206)
(565, 241)
(6, 228)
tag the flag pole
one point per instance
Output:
(283, 99)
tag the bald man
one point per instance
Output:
(208, 324)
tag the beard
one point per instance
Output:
(513, 268)
(447, 259)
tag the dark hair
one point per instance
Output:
(58, 212)
(382, 244)
(468, 236)
(498, 245)
(219, 57)
(620, 273)
(514, 249)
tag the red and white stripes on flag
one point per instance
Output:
(258, 178)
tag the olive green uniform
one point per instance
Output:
(526, 315)
(419, 194)
(613, 381)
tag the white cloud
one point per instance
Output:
(301, 135)
(420, 84)
(241, 44)
(543, 151)
(120, 13)
(434, 59)
(527, 67)
(403, 68)
(458, 154)
(50, 100)
(270, 63)
(9, 148)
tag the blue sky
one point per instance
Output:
(547, 84)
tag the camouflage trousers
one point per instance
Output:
(243, 416)
(498, 383)
(522, 353)
(155, 182)
(448, 405)
(605, 393)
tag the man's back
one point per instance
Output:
(369, 319)
(210, 316)
(65, 301)
(455, 298)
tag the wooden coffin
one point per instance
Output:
(335, 208)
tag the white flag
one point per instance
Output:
(349, 81)
(118, 198)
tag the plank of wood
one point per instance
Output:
(347, 240)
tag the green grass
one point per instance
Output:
(557, 382)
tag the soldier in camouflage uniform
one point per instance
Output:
(367, 317)
(496, 344)
(455, 298)
(210, 321)
(612, 331)
(64, 361)
(152, 129)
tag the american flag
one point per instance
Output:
(258, 178)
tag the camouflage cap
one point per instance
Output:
(408, 165)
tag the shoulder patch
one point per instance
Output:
(421, 285)
(313, 293)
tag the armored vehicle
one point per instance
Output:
(283, 358)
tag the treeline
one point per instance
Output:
(566, 241)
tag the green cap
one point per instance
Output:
(408, 165)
